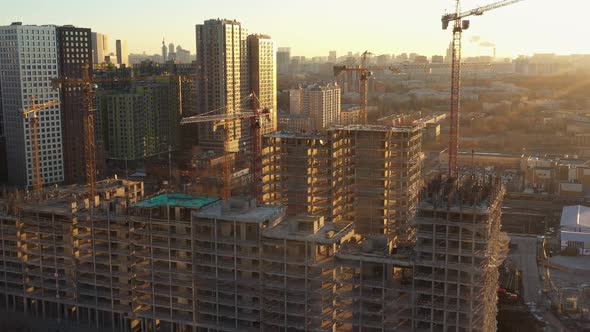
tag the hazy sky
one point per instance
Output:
(314, 27)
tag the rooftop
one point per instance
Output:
(292, 134)
(328, 233)
(405, 129)
(576, 216)
(180, 200)
(241, 210)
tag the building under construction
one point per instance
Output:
(457, 254)
(367, 174)
(177, 262)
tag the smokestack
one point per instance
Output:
(494, 53)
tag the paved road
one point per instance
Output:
(525, 258)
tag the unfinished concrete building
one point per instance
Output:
(297, 168)
(387, 177)
(54, 265)
(373, 286)
(164, 286)
(298, 273)
(367, 174)
(228, 258)
(458, 251)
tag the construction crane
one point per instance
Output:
(34, 128)
(227, 120)
(88, 87)
(458, 26)
(366, 72)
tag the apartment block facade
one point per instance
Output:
(74, 54)
(230, 66)
(29, 61)
(138, 120)
(263, 78)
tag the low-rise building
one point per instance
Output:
(575, 228)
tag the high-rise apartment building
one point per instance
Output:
(322, 103)
(74, 53)
(318, 103)
(283, 60)
(263, 77)
(222, 58)
(164, 51)
(182, 55)
(332, 57)
(138, 121)
(122, 52)
(100, 47)
(29, 63)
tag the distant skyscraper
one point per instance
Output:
(332, 57)
(171, 52)
(263, 76)
(122, 53)
(449, 57)
(164, 51)
(29, 62)
(100, 47)
(182, 55)
(283, 59)
(437, 59)
(222, 58)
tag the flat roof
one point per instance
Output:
(398, 129)
(247, 214)
(180, 200)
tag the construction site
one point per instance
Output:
(176, 262)
(337, 233)
(366, 174)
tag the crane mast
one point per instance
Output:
(223, 120)
(34, 128)
(458, 26)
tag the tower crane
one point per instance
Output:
(366, 72)
(227, 120)
(458, 26)
(34, 127)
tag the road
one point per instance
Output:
(525, 258)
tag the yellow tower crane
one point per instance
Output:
(34, 128)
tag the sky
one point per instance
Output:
(314, 27)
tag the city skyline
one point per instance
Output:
(378, 28)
